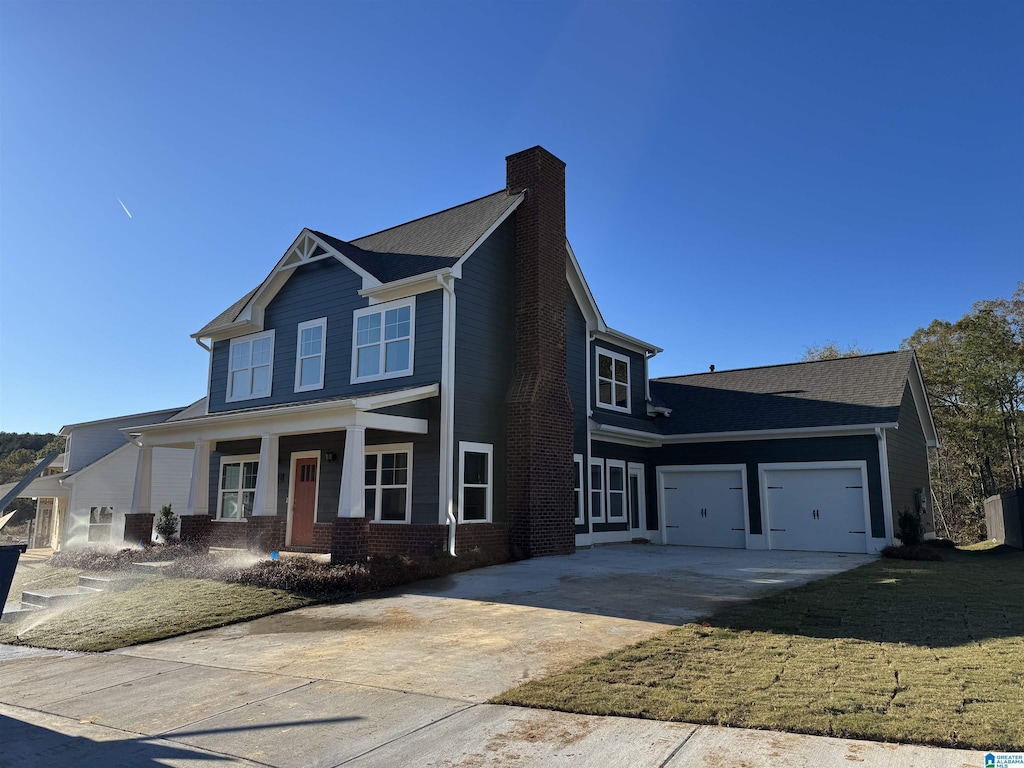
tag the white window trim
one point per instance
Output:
(487, 448)
(598, 518)
(109, 526)
(228, 396)
(609, 465)
(598, 351)
(220, 483)
(577, 459)
(296, 455)
(377, 450)
(322, 322)
(381, 309)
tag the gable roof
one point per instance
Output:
(866, 390)
(420, 246)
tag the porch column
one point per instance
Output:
(199, 490)
(265, 501)
(142, 496)
(350, 503)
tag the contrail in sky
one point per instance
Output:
(125, 208)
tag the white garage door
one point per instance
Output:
(818, 508)
(704, 506)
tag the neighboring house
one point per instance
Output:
(87, 490)
(453, 378)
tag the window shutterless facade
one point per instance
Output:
(236, 493)
(577, 488)
(311, 346)
(597, 490)
(612, 380)
(388, 482)
(475, 482)
(250, 366)
(616, 490)
(383, 341)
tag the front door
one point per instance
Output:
(303, 502)
(637, 502)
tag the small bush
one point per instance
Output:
(94, 559)
(912, 552)
(167, 524)
(908, 525)
(940, 543)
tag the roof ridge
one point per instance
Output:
(427, 216)
(781, 365)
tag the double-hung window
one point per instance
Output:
(616, 490)
(382, 344)
(237, 492)
(251, 366)
(100, 519)
(597, 490)
(612, 380)
(309, 355)
(388, 475)
(475, 482)
(577, 488)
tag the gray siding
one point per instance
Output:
(485, 318)
(752, 453)
(637, 388)
(908, 462)
(629, 454)
(425, 455)
(328, 289)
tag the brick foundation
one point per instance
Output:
(265, 533)
(195, 530)
(349, 540)
(538, 408)
(227, 533)
(492, 538)
(322, 533)
(138, 527)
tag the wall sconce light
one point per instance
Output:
(330, 456)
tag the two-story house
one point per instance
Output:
(450, 382)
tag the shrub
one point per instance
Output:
(167, 523)
(908, 525)
(94, 559)
(940, 544)
(912, 552)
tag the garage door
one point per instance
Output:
(704, 506)
(818, 509)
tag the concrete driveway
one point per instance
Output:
(402, 679)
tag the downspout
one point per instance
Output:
(209, 374)
(448, 411)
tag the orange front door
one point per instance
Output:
(304, 502)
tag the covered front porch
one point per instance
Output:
(303, 477)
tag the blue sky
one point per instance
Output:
(745, 179)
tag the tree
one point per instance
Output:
(974, 371)
(18, 455)
(832, 351)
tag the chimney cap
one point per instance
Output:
(712, 368)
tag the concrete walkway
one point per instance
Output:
(403, 679)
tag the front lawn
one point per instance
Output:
(921, 652)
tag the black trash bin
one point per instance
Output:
(9, 554)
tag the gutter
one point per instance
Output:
(445, 439)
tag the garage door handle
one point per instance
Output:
(860, 532)
(739, 529)
(671, 526)
(777, 529)
(774, 487)
(670, 488)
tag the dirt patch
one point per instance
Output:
(556, 730)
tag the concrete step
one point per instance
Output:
(16, 611)
(108, 583)
(52, 598)
(154, 569)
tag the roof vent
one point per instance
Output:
(712, 368)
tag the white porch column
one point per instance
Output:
(265, 502)
(350, 503)
(199, 491)
(142, 496)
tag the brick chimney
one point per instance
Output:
(540, 437)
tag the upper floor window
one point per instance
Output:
(382, 344)
(309, 355)
(612, 380)
(251, 366)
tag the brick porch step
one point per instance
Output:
(108, 583)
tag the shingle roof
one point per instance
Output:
(423, 245)
(867, 389)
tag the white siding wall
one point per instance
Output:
(111, 482)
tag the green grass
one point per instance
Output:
(155, 609)
(920, 652)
